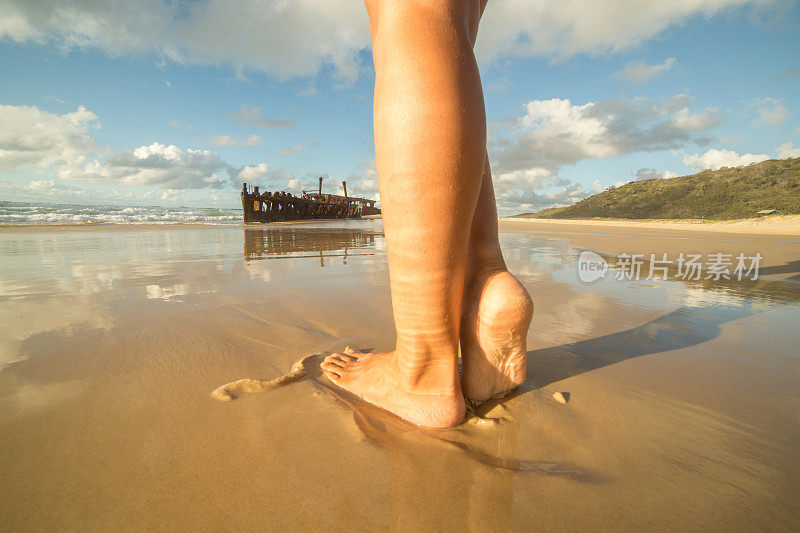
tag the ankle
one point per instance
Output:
(483, 268)
(424, 368)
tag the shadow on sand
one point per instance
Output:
(479, 457)
(686, 326)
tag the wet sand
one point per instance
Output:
(768, 225)
(776, 239)
(682, 412)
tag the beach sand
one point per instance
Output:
(767, 225)
(776, 239)
(682, 396)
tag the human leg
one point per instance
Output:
(430, 153)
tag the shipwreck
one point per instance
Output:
(281, 206)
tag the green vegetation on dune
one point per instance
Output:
(724, 194)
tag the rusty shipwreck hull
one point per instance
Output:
(282, 206)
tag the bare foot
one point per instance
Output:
(496, 315)
(378, 379)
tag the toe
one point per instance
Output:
(327, 366)
(333, 377)
(335, 358)
(350, 350)
(347, 358)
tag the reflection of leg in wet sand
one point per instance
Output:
(430, 148)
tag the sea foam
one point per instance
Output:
(33, 213)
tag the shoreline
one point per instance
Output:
(153, 226)
(780, 225)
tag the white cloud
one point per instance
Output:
(715, 159)
(523, 201)
(227, 140)
(300, 37)
(290, 151)
(563, 28)
(295, 186)
(276, 179)
(554, 133)
(771, 112)
(55, 187)
(650, 173)
(286, 39)
(157, 165)
(250, 173)
(787, 150)
(172, 196)
(31, 136)
(252, 116)
(640, 72)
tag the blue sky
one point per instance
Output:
(160, 103)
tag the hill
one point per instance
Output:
(724, 194)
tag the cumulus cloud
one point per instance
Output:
(715, 159)
(227, 140)
(787, 150)
(252, 117)
(554, 133)
(249, 173)
(771, 112)
(651, 173)
(522, 201)
(287, 39)
(157, 165)
(640, 72)
(301, 37)
(54, 187)
(32, 136)
(563, 28)
(271, 179)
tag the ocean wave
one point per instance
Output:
(31, 213)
